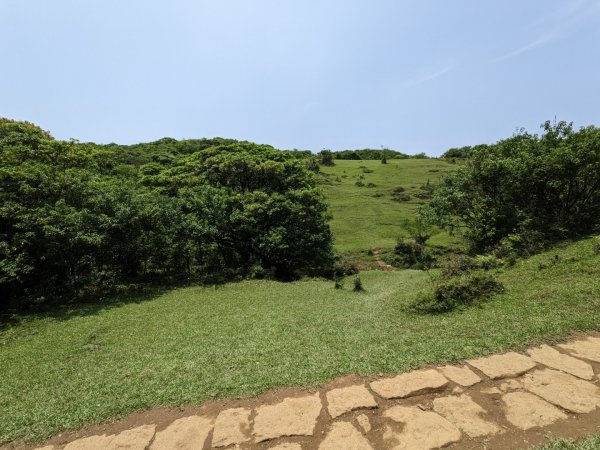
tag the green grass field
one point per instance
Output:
(95, 363)
(591, 443)
(366, 217)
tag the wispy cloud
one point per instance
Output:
(431, 76)
(561, 22)
(540, 41)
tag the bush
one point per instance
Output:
(326, 158)
(343, 267)
(358, 286)
(401, 197)
(458, 292)
(408, 253)
(458, 265)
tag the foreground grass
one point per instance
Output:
(366, 218)
(188, 345)
(591, 443)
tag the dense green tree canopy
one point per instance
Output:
(548, 185)
(78, 219)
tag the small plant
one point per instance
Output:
(371, 185)
(339, 283)
(360, 183)
(383, 159)
(367, 170)
(358, 286)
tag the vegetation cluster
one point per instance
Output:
(80, 220)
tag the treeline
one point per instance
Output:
(78, 220)
(525, 191)
(368, 153)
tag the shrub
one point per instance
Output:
(458, 265)
(408, 253)
(358, 286)
(338, 283)
(313, 165)
(458, 292)
(343, 267)
(401, 197)
(326, 157)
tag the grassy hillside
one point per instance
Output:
(183, 346)
(367, 217)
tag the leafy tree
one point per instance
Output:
(326, 157)
(538, 187)
(76, 220)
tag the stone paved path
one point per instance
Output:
(449, 406)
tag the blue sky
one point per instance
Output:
(416, 76)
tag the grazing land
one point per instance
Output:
(88, 364)
(368, 217)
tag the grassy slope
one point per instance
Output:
(362, 221)
(191, 344)
(591, 443)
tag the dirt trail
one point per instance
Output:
(509, 401)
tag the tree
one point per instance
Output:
(326, 157)
(546, 185)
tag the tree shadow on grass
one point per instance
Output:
(61, 312)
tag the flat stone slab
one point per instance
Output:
(135, 439)
(409, 384)
(551, 357)
(460, 375)
(525, 411)
(232, 427)
(510, 364)
(290, 417)
(423, 430)
(364, 423)
(346, 399)
(588, 348)
(564, 390)
(343, 436)
(187, 433)
(465, 414)
(287, 446)
(511, 385)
